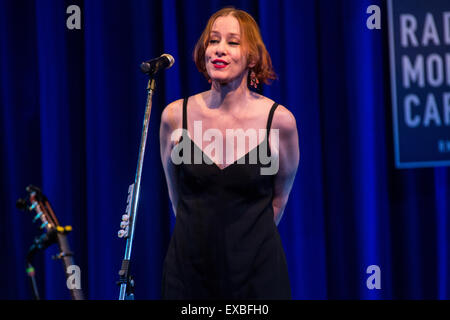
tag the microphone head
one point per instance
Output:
(170, 58)
(151, 67)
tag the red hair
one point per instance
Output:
(251, 41)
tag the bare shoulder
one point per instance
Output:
(172, 115)
(284, 120)
(262, 104)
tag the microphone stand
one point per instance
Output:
(126, 281)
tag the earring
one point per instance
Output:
(253, 80)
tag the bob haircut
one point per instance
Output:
(251, 41)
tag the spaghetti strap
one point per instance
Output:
(185, 100)
(269, 120)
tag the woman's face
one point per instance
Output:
(224, 58)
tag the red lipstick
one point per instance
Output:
(219, 64)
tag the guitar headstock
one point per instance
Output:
(38, 203)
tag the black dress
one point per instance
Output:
(225, 244)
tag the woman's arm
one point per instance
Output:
(170, 121)
(289, 156)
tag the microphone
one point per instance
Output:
(151, 67)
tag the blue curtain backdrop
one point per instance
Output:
(71, 110)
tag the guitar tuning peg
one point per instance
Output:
(43, 225)
(124, 224)
(125, 217)
(37, 216)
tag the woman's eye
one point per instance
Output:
(234, 43)
(213, 41)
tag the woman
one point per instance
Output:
(225, 243)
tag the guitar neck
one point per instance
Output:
(38, 203)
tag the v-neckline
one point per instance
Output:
(234, 163)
